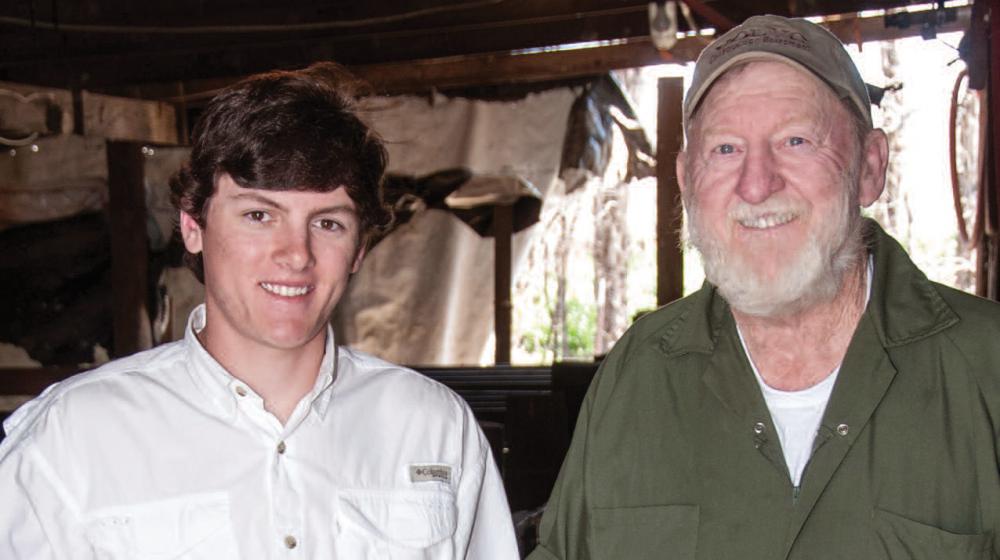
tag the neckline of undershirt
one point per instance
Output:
(824, 385)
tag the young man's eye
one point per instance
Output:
(329, 224)
(257, 216)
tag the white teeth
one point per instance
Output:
(286, 291)
(766, 221)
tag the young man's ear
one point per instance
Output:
(359, 257)
(679, 169)
(190, 233)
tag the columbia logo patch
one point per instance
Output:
(430, 473)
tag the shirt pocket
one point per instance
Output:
(900, 538)
(396, 524)
(645, 533)
(193, 527)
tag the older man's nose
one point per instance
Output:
(758, 178)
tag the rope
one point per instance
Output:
(968, 240)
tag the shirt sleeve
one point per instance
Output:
(562, 533)
(485, 530)
(36, 522)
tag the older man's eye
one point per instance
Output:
(725, 149)
(796, 141)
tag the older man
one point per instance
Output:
(257, 437)
(818, 397)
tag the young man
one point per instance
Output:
(256, 436)
(819, 397)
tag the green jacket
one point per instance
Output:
(666, 461)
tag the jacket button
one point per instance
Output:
(290, 542)
(758, 428)
(281, 448)
(843, 429)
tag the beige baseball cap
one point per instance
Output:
(794, 41)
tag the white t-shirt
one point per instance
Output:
(166, 455)
(797, 414)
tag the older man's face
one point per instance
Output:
(770, 182)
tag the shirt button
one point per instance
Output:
(281, 448)
(843, 429)
(290, 542)
(241, 390)
(758, 428)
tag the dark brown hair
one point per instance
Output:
(283, 130)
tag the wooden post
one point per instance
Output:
(129, 248)
(503, 230)
(669, 141)
(991, 241)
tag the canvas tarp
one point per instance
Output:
(425, 294)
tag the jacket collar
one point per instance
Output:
(697, 327)
(904, 306)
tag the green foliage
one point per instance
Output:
(580, 331)
(581, 328)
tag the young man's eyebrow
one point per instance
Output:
(335, 209)
(258, 198)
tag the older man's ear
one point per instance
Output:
(875, 158)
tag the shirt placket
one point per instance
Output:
(284, 496)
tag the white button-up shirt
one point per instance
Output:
(164, 454)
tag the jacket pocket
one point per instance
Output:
(404, 524)
(900, 538)
(194, 527)
(645, 533)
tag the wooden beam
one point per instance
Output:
(113, 59)
(472, 70)
(129, 252)
(669, 216)
(503, 230)
(507, 68)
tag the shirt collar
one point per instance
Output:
(224, 389)
(322, 391)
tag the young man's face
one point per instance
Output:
(276, 263)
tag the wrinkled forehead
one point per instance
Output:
(758, 76)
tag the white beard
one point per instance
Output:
(813, 275)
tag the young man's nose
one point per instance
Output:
(294, 249)
(759, 178)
